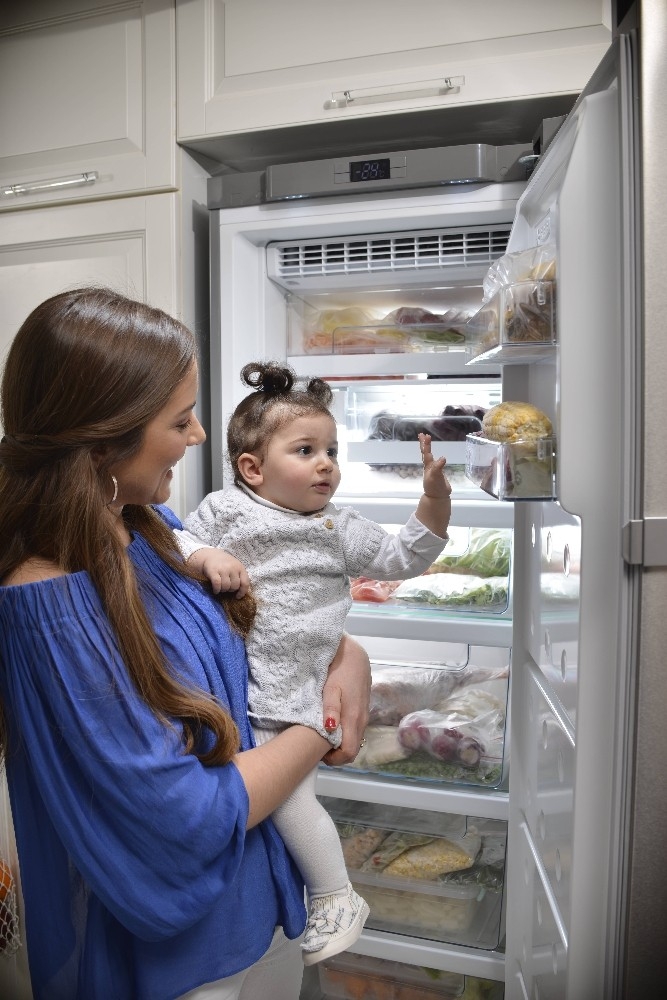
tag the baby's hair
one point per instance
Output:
(278, 398)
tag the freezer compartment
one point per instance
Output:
(514, 324)
(379, 425)
(423, 874)
(434, 722)
(521, 470)
(471, 576)
(359, 977)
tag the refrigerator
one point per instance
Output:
(313, 263)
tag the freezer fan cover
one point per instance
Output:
(386, 253)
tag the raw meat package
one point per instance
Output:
(432, 875)
(429, 722)
(359, 977)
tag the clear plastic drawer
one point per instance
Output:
(432, 722)
(423, 874)
(471, 576)
(360, 977)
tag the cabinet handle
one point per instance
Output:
(395, 92)
(54, 184)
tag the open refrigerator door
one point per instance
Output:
(375, 297)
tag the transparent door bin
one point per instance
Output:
(360, 977)
(521, 470)
(514, 325)
(433, 723)
(423, 874)
(471, 576)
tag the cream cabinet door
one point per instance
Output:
(131, 244)
(87, 88)
(257, 64)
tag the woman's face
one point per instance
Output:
(146, 477)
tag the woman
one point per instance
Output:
(140, 804)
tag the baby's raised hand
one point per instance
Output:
(223, 571)
(436, 484)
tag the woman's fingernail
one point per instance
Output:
(330, 724)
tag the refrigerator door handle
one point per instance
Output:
(645, 542)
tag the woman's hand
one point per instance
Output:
(346, 699)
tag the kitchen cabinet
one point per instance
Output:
(246, 65)
(87, 90)
(135, 245)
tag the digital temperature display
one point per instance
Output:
(370, 170)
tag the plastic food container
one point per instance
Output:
(522, 470)
(357, 330)
(514, 321)
(423, 874)
(358, 977)
(412, 704)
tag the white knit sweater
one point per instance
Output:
(300, 567)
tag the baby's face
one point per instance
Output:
(300, 466)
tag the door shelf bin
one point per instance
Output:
(428, 875)
(434, 723)
(518, 317)
(521, 470)
(359, 977)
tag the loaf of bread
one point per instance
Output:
(511, 421)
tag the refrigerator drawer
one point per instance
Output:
(379, 422)
(439, 722)
(358, 977)
(471, 576)
(425, 875)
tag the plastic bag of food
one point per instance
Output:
(535, 264)
(414, 855)
(454, 590)
(462, 731)
(381, 747)
(487, 554)
(397, 689)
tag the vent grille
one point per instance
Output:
(391, 252)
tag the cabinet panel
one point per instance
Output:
(128, 244)
(86, 91)
(252, 64)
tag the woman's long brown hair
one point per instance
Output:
(85, 373)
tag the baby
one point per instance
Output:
(277, 529)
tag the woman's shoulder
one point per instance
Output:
(33, 570)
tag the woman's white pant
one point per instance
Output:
(277, 975)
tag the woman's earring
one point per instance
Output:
(115, 490)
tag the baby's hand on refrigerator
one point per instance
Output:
(436, 484)
(225, 573)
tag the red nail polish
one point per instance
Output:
(330, 724)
